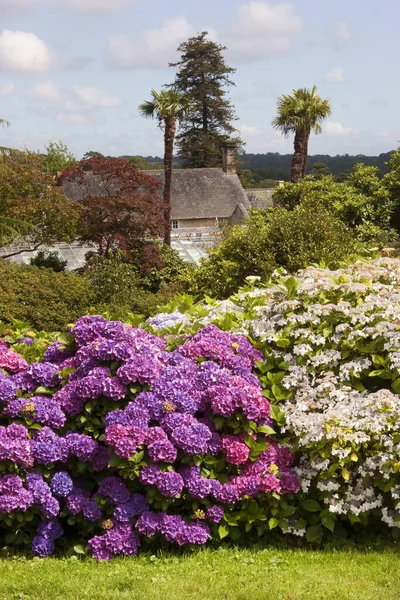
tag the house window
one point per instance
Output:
(175, 224)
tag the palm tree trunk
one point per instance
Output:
(169, 135)
(298, 156)
(307, 137)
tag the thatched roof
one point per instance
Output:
(203, 193)
(196, 193)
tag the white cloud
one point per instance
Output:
(93, 6)
(75, 118)
(6, 90)
(341, 32)
(261, 31)
(249, 129)
(83, 6)
(332, 128)
(47, 91)
(154, 48)
(335, 75)
(23, 51)
(78, 98)
(92, 97)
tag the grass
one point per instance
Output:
(208, 575)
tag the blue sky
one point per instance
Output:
(76, 70)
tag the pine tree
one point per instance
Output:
(204, 76)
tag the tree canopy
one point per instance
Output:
(31, 205)
(121, 209)
(57, 157)
(204, 75)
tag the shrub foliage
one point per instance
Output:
(309, 233)
(41, 297)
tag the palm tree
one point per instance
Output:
(301, 113)
(168, 107)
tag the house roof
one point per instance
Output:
(203, 193)
(196, 193)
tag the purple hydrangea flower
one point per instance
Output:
(149, 475)
(13, 496)
(162, 451)
(26, 340)
(50, 529)
(56, 353)
(169, 484)
(48, 448)
(61, 484)
(192, 439)
(82, 446)
(148, 523)
(90, 510)
(42, 546)
(215, 514)
(115, 489)
(41, 409)
(44, 373)
(11, 361)
(15, 445)
(8, 389)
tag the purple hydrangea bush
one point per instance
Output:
(120, 438)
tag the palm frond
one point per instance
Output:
(167, 104)
(12, 230)
(302, 109)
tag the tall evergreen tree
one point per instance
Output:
(204, 76)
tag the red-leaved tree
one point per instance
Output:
(121, 207)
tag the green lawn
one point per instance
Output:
(208, 575)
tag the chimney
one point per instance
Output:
(229, 157)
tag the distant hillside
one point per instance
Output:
(277, 166)
(273, 165)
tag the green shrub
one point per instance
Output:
(49, 260)
(114, 281)
(362, 202)
(41, 297)
(244, 251)
(119, 288)
(391, 181)
(308, 234)
(171, 269)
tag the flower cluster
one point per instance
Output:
(332, 370)
(168, 320)
(127, 440)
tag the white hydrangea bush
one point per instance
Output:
(332, 368)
